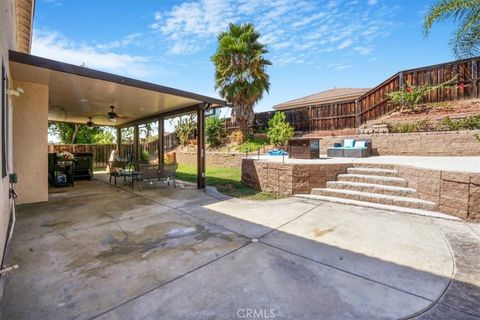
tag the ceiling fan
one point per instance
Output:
(112, 116)
(90, 124)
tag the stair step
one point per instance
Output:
(419, 212)
(374, 165)
(372, 188)
(373, 171)
(377, 198)
(389, 181)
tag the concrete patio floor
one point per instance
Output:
(101, 252)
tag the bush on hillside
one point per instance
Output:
(215, 131)
(185, 129)
(279, 130)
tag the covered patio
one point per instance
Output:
(63, 92)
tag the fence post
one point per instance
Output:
(474, 79)
(400, 86)
(358, 115)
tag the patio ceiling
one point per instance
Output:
(76, 93)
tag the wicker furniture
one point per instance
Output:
(351, 148)
(155, 173)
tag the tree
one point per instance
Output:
(466, 41)
(279, 130)
(240, 71)
(215, 130)
(74, 133)
(185, 128)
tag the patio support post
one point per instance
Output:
(136, 143)
(119, 140)
(201, 147)
(161, 142)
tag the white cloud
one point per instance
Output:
(126, 41)
(53, 45)
(297, 25)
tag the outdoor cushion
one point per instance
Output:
(348, 143)
(360, 144)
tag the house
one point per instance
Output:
(328, 97)
(36, 90)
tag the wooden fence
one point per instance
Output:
(101, 152)
(374, 103)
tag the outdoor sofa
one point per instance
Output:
(351, 148)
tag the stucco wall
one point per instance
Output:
(7, 41)
(30, 142)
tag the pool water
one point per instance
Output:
(277, 152)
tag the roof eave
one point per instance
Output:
(105, 76)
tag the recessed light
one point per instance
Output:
(84, 100)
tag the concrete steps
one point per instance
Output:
(374, 165)
(373, 179)
(376, 198)
(372, 188)
(377, 184)
(378, 206)
(374, 172)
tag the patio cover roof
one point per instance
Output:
(76, 93)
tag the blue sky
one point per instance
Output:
(314, 45)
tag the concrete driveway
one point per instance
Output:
(102, 252)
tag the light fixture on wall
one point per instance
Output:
(15, 92)
(90, 124)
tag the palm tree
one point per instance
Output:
(466, 41)
(240, 71)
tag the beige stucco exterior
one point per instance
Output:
(7, 42)
(30, 142)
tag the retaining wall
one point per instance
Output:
(213, 159)
(455, 193)
(440, 143)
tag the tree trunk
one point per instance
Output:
(75, 131)
(244, 116)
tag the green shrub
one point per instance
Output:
(185, 129)
(215, 130)
(468, 123)
(279, 130)
(409, 95)
(144, 155)
(404, 127)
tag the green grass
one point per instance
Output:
(226, 180)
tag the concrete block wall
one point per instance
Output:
(288, 179)
(450, 143)
(456, 193)
(214, 159)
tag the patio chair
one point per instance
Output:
(168, 172)
(116, 169)
(148, 173)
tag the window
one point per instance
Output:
(4, 126)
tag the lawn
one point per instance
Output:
(226, 180)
